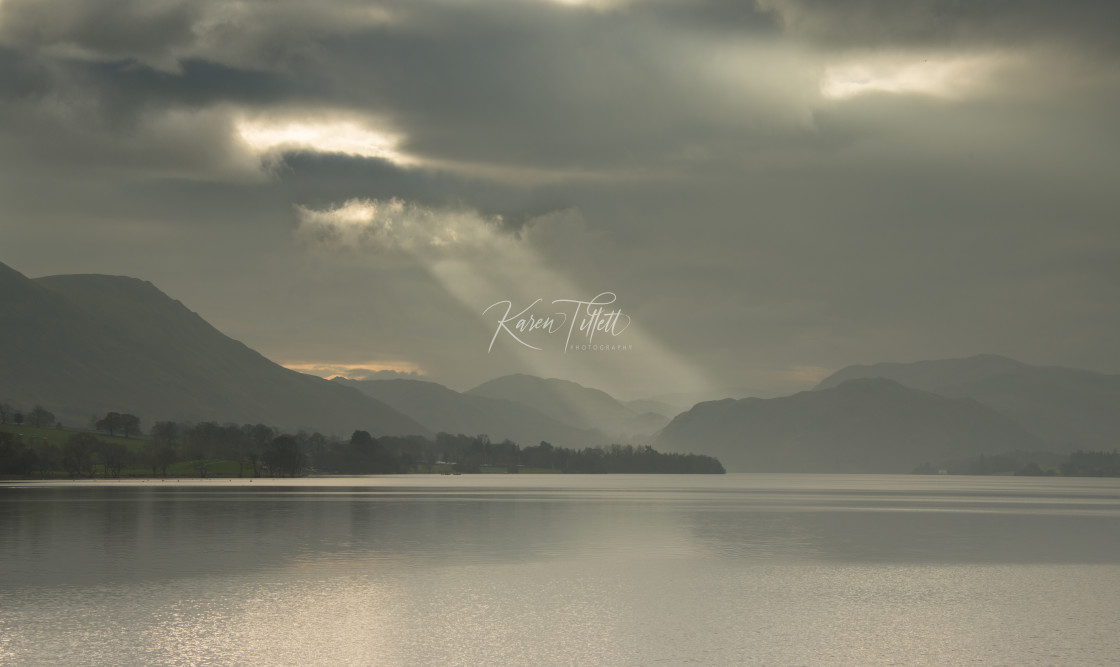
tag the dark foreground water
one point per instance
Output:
(571, 570)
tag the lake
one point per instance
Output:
(562, 570)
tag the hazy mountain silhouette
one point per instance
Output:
(83, 345)
(866, 425)
(644, 405)
(1071, 409)
(573, 404)
(445, 410)
(680, 401)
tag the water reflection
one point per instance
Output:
(765, 569)
(909, 536)
(133, 532)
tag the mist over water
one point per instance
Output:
(551, 569)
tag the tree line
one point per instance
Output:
(259, 450)
(366, 454)
(1077, 464)
(38, 416)
(1092, 464)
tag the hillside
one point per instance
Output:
(859, 426)
(86, 344)
(444, 410)
(1071, 409)
(572, 404)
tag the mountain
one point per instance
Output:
(573, 404)
(644, 405)
(1071, 409)
(864, 425)
(930, 375)
(680, 401)
(448, 411)
(83, 345)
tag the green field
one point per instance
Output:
(57, 436)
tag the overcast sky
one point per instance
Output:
(772, 191)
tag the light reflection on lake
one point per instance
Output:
(562, 569)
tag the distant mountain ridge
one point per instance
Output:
(83, 345)
(678, 402)
(444, 410)
(1069, 409)
(573, 404)
(861, 425)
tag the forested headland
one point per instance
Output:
(42, 449)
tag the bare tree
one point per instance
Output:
(110, 423)
(130, 425)
(77, 453)
(166, 433)
(115, 456)
(40, 417)
(127, 424)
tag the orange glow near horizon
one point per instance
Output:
(330, 369)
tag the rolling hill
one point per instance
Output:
(859, 426)
(1070, 409)
(573, 404)
(83, 345)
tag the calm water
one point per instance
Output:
(571, 570)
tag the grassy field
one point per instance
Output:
(57, 436)
(215, 468)
(497, 470)
(440, 468)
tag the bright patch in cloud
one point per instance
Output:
(592, 4)
(347, 137)
(935, 76)
(395, 225)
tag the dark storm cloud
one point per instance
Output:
(198, 83)
(120, 94)
(106, 28)
(500, 83)
(23, 76)
(317, 180)
(868, 24)
(259, 34)
(643, 89)
(557, 88)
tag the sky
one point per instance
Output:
(753, 194)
